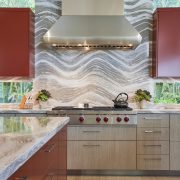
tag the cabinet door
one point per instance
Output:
(119, 155)
(175, 142)
(167, 43)
(17, 42)
(62, 155)
(37, 166)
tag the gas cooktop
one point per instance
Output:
(99, 115)
(103, 108)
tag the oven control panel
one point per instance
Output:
(103, 119)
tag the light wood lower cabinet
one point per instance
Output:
(101, 155)
(153, 142)
(101, 133)
(154, 134)
(175, 156)
(101, 147)
(153, 147)
(175, 142)
(153, 162)
(153, 120)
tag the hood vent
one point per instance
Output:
(78, 30)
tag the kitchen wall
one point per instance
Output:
(93, 76)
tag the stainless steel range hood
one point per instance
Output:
(93, 26)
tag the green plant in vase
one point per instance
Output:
(42, 98)
(141, 96)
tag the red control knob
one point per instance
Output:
(81, 119)
(118, 119)
(98, 119)
(126, 119)
(106, 119)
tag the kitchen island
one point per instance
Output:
(22, 137)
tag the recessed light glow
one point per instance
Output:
(87, 48)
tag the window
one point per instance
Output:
(167, 93)
(12, 92)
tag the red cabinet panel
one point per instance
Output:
(49, 162)
(17, 42)
(166, 43)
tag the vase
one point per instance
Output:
(43, 105)
(142, 104)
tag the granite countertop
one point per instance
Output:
(169, 111)
(44, 111)
(21, 137)
(23, 111)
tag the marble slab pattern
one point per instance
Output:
(23, 111)
(168, 111)
(18, 144)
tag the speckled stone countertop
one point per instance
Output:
(168, 111)
(23, 111)
(44, 111)
(21, 137)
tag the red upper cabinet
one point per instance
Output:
(166, 43)
(16, 42)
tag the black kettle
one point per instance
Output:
(121, 101)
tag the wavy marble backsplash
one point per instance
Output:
(93, 76)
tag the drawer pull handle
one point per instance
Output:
(152, 145)
(50, 148)
(91, 145)
(147, 118)
(154, 159)
(91, 131)
(150, 131)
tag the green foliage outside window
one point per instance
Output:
(12, 92)
(18, 3)
(167, 93)
(166, 3)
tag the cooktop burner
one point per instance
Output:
(106, 108)
(97, 115)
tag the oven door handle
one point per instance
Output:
(91, 131)
(91, 145)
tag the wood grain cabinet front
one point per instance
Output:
(113, 133)
(101, 148)
(102, 155)
(175, 142)
(17, 42)
(153, 142)
(48, 162)
(153, 162)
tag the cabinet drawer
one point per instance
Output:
(102, 155)
(152, 147)
(153, 134)
(153, 120)
(101, 133)
(152, 162)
